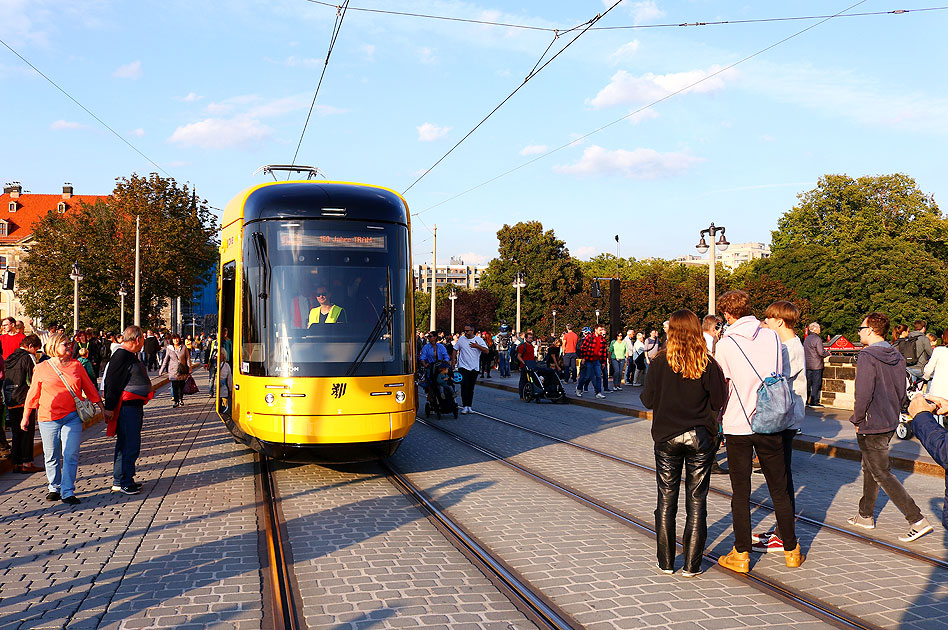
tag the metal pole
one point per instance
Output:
(75, 304)
(711, 265)
(518, 303)
(138, 284)
(434, 274)
(179, 328)
(122, 314)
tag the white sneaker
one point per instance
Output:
(917, 530)
(599, 396)
(579, 394)
(470, 410)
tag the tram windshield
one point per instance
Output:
(325, 298)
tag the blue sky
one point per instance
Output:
(211, 91)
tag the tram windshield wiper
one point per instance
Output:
(385, 318)
(260, 245)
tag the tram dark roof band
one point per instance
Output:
(301, 201)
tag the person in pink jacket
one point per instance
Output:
(748, 353)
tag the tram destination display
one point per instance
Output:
(292, 239)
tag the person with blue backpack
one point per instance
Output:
(759, 409)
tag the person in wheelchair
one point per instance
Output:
(528, 357)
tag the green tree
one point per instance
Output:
(844, 210)
(550, 274)
(178, 253)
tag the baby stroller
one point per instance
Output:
(542, 382)
(915, 386)
(440, 400)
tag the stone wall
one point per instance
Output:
(839, 382)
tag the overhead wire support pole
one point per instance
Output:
(535, 71)
(336, 27)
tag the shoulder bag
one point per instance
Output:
(773, 399)
(86, 409)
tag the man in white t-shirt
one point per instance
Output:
(469, 349)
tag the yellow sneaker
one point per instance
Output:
(794, 557)
(736, 561)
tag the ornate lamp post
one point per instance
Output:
(76, 277)
(597, 317)
(122, 294)
(452, 297)
(519, 284)
(703, 247)
(554, 324)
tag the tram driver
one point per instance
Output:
(326, 312)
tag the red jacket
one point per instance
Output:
(593, 348)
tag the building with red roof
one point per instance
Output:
(19, 212)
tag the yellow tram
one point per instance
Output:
(315, 313)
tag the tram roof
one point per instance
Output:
(308, 199)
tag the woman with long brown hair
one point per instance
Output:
(686, 389)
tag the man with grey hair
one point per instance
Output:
(813, 354)
(127, 388)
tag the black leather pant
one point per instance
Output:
(694, 451)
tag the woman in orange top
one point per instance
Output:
(59, 422)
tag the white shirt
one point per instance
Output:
(937, 370)
(469, 358)
(795, 378)
(709, 340)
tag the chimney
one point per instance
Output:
(14, 189)
(67, 190)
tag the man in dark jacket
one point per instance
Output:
(150, 348)
(813, 355)
(17, 376)
(932, 435)
(127, 387)
(880, 396)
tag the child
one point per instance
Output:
(443, 380)
(226, 380)
(86, 363)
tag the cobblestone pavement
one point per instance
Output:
(182, 554)
(599, 571)
(878, 586)
(365, 557)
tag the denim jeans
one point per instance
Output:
(503, 364)
(876, 472)
(618, 367)
(814, 385)
(61, 440)
(592, 371)
(128, 444)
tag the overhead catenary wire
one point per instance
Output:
(84, 108)
(637, 111)
(336, 27)
(537, 68)
(550, 29)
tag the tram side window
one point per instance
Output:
(228, 307)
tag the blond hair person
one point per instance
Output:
(58, 420)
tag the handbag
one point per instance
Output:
(183, 367)
(773, 399)
(85, 408)
(190, 387)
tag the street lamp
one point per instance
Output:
(597, 317)
(554, 324)
(452, 297)
(122, 295)
(76, 277)
(519, 284)
(703, 247)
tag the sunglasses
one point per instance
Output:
(322, 295)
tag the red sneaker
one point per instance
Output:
(773, 544)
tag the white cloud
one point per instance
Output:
(138, 133)
(642, 116)
(641, 11)
(638, 164)
(587, 251)
(302, 62)
(129, 71)
(60, 125)
(533, 149)
(369, 51)
(189, 98)
(625, 88)
(221, 133)
(473, 258)
(329, 110)
(427, 56)
(429, 132)
(626, 51)
(768, 138)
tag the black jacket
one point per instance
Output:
(18, 374)
(151, 345)
(125, 373)
(681, 404)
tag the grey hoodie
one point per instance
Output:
(880, 389)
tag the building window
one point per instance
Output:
(3, 260)
(3, 230)
(12, 206)
(61, 207)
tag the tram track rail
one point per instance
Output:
(282, 609)
(814, 606)
(529, 600)
(869, 540)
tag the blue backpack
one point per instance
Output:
(774, 403)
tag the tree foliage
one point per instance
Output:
(550, 274)
(178, 253)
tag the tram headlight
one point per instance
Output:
(269, 398)
(399, 396)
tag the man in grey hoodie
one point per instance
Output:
(880, 396)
